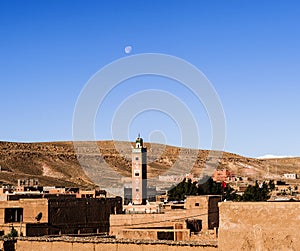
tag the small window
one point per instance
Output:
(165, 236)
(137, 190)
(136, 158)
(197, 204)
(136, 174)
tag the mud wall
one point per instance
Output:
(259, 226)
(24, 245)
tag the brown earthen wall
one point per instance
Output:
(31, 208)
(202, 208)
(152, 234)
(259, 226)
(207, 207)
(23, 245)
(119, 222)
(213, 213)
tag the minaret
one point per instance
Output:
(139, 172)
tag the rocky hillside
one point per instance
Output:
(56, 163)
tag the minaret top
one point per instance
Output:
(139, 142)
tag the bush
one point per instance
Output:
(13, 233)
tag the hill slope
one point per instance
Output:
(56, 163)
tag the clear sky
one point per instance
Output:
(249, 50)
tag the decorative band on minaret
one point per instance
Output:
(139, 172)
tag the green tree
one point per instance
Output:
(184, 188)
(258, 192)
(209, 187)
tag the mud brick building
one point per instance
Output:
(53, 215)
(179, 222)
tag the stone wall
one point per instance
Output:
(259, 226)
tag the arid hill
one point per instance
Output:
(56, 163)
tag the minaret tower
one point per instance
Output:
(139, 172)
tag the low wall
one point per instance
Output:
(259, 226)
(75, 245)
(152, 234)
(119, 222)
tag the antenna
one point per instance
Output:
(139, 135)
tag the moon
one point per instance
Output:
(128, 49)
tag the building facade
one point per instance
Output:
(55, 215)
(222, 175)
(292, 176)
(197, 217)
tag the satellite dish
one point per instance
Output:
(39, 216)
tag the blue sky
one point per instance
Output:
(249, 50)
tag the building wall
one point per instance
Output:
(222, 175)
(61, 215)
(197, 208)
(31, 208)
(205, 208)
(121, 222)
(157, 234)
(290, 175)
(84, 215)
(213, 212)
(259, 226)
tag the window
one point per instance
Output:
(136, 158)
(137, 190)
(13, 215)
(165, 235)
(197, 204)
(137, 174)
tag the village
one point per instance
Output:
(30, 213)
